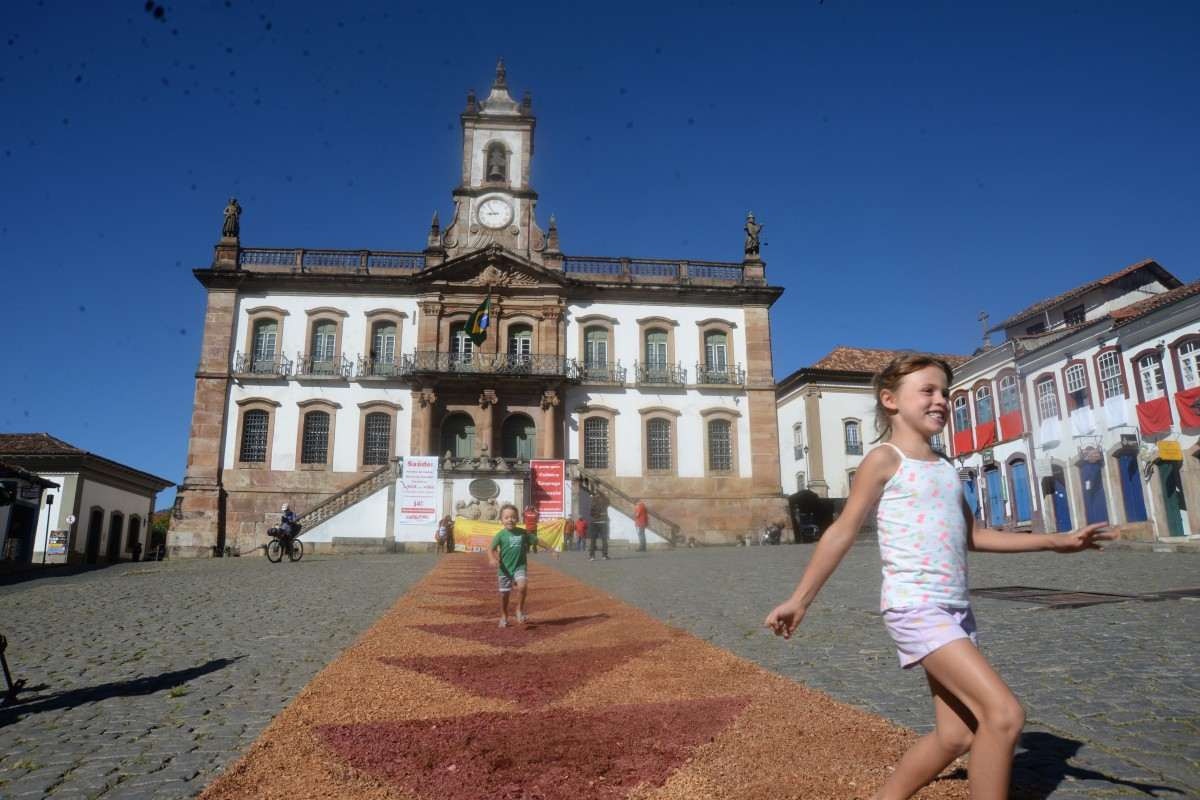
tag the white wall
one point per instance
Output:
(366, 519)
(512, 139)
(56, 513)
(789, 410)
(110, 499)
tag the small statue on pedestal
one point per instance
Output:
(233, 215)
(753, 229)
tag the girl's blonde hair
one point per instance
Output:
(888, 379)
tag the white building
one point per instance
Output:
(651, 378)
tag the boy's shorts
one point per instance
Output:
(919, 631)
(506, 583)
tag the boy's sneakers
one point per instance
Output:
(521, 618)
(591, 558)
(503, 622)
(606, 558)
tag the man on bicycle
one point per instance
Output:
(287, 524)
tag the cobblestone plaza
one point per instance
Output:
(148, 679)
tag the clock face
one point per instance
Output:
(494, 212)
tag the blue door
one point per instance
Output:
(1020, 478)
(1095, 504)
(1062, 507)
(971, 494)
(995, 497)
(1131, 488)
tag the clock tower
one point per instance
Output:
(494, 203)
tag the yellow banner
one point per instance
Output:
(1169, 450)
(474, 535)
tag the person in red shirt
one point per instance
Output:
(581, 530)
(531, 522)
(640, 518)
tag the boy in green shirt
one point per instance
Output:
(509, 546)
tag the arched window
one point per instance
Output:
(1151, 373)
(518, 438)
(314, 448)
(1075, 378)
(520, 345)
(253, 450)
(1112, 382)
(853, 440)
(800, 484)
(720, 446)
(1010, 397)
(962, 413)
(461, 347)
(1189, 363)
(266, 335)
(656, 350)
(938, 443)
(497, 162)
(377, 438)
(324, 339)
(716, 351)
(458, 436)
(595, 443)
(658, 444)
(983, 405)
(383, 348)
(1047, 398)
(595, 348)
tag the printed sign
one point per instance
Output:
(418, 490)
(1169, 450)
(548, 481)
(57, 544)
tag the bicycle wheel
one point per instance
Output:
(274, 551)
(296, 552)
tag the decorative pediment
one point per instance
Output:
(493, 267)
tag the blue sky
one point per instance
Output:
(913, 163)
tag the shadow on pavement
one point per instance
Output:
(1041, 765)
(94, 694)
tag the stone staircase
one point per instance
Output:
(355, 492)
(594, 484)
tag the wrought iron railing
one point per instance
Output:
(381, 367)
(261, 365)
(602, 373)
(317, 367)
(476, 363)
(727, 374)
(660, 374)
(302, 259)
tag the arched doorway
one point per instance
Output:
(1062, 506)
(91, 552)
(1131, 486)
(1019, 472)
(458, 435)
(970, 491)
(116, 531)
(1091, 476)
(995, 496)
(518, 438)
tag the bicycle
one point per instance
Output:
(284, 541)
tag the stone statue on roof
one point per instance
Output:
(753, 229)
(233, 216)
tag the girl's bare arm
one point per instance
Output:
(990, 540)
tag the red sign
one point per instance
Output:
(548, 479)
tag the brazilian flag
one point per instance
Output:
(477, 323)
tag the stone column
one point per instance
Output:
(421, 439)
(548, 429)
(427, 325)
(816, 461)
(760, 394)
(485, 440)
(198, 525)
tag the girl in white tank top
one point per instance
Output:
(925, 530)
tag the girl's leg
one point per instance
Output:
(963, 671)
(933, 752)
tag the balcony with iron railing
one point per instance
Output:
(665, 375)
(720, 375)
(602, 373)
(536, 365)
(394, 367)
(274, 259)
(323, 366)
(272, 366)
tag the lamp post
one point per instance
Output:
(46, 540)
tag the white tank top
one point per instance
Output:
(922, 536)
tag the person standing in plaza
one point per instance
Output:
(925, 529)
(641, 518)
(596, 533)
(508, 554)
(581, 531)
(530, 518)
